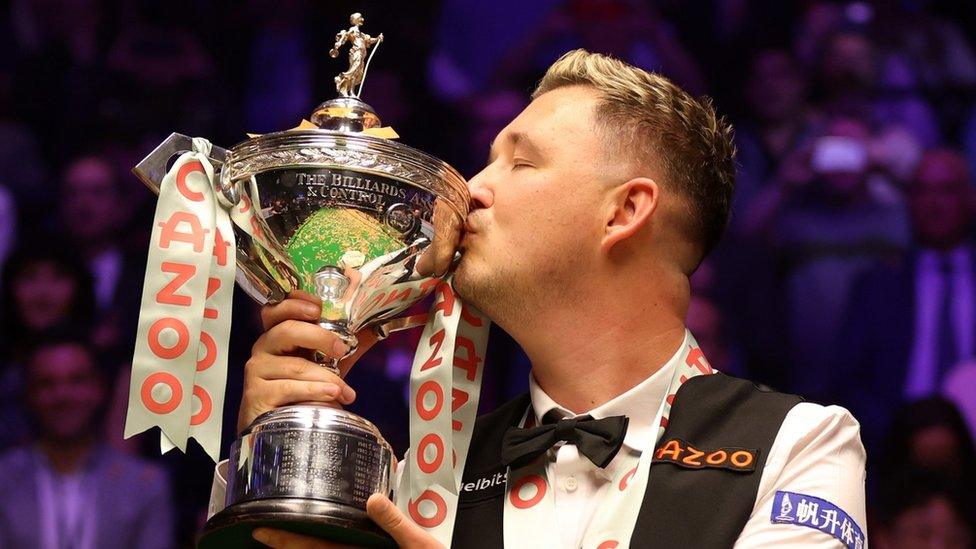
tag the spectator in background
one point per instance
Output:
(92, 214)
(921, 512)
(930, 436)
(780, 119)
(44, 287)
(899, 102)
(846, 74)
(628, 30)
(60, 78)
(161, 75)
(68, 489)
(820, 218)
(820, 19)
(909, 322)
(934, 45)
(460, 64)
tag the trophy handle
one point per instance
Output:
(152, 169)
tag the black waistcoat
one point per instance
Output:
(683, 507)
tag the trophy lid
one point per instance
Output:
(348, 113)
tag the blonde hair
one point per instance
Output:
(658, 125)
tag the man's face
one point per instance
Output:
(90, 200)
(43, 294)
(64, 391)
(775, 86)
(931, 524)
(537, 206)
(941, 204)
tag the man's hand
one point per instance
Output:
(383, 512)
(280, 371)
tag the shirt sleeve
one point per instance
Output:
(218, 490)
(812, 482)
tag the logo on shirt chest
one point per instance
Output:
(486, 486)
(684, 454)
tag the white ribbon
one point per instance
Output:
(445, 387)
(179, 367)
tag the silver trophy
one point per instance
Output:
(369, 225)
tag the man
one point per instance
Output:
(92, 214)
(598, 202)
(921, 511)
(926, 300)
(69, 489)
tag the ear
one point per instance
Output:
(632, 206)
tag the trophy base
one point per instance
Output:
(232, 527)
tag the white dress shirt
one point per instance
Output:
(817, 452)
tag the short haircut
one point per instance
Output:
(657, 122)
(63, 337)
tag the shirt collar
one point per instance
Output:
(640, 403)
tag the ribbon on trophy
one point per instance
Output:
(179, 367)
(445, 387)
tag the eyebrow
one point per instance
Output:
(516, 138)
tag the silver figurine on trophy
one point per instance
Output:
(370, 226)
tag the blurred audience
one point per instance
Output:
(847, 275)
(68, 488)
(776, 95)
(630, 30)
(43, 288)
(931, 436)
(821, 218)
(921, 512)
(93, 212)
(911, 320)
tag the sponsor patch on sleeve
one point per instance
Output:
(686, 455)
(819, 514)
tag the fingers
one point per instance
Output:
(404, 531)
(299, 305)
(281, 539)
(272, 381)
(291, 335)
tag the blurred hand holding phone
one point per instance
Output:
(839, 154)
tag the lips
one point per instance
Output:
(468, 231)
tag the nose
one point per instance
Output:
(480, 190)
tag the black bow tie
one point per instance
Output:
(597, 439)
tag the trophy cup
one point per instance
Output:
(370, 226)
